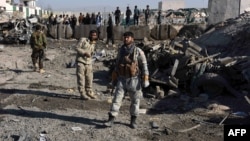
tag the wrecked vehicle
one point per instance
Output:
(17, 30)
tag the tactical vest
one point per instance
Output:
(128, 64)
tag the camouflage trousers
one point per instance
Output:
(132, 86)
(84, 75)
(38, 56)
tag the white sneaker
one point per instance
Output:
(35, 68)
(42, 71)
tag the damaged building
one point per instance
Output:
(17, 21)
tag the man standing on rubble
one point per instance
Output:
(85, 49)
(147, 14)
(73, 24)
(98, 23)
(110, 32)
(50, 22)
(128, 14)
(130, 72)
(159, 17)
(136, 15)
(59, 22)
(38, 43)
(117, 16)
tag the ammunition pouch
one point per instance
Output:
(114, 78)
(121, 70)
(128, 70)
(134, 69)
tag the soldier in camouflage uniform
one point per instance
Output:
(130, 72)
(38, 43)
(85, 49)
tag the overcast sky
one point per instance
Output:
(108, 5)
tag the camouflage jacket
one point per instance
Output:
(85, 46)
(38, 40)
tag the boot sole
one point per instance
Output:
(107, 124)
(92, 97)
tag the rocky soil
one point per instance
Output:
(49, 104)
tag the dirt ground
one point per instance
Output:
(34, 103)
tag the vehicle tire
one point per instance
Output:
(210, 83)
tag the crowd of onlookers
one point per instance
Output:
(97, 19)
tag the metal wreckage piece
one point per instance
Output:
(17, 30)
(186, 66)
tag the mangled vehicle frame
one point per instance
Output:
(16, 30)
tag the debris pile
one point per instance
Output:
(15, 29)
(216, 62)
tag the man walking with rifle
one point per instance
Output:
(130, 72)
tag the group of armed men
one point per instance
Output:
(129, 76)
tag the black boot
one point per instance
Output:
(133, 123)
(110, 121)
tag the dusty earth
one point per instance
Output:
(34, 103)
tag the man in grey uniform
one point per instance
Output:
(131, 71)
(85, 49)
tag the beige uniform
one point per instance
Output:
(84, 69)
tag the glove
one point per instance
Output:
(114, 78)
(145, 83)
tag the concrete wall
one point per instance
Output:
(172, 4)
(3, 3)
(159, 32)
(244, 5)
(139, 31)
(220, 10)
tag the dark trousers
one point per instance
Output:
(136, 20)
(127, 20)
(59, 31)
(38, 55)
(73, 31)
(117, 20)
(146, 19)
(98, 31)
(110, 37)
